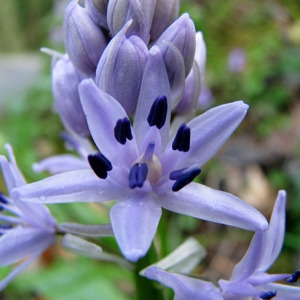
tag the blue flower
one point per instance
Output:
(27, 229)
(146, 170)
(249, 279)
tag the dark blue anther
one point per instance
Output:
(2, 200)
(122, 131)
(100, 164)
(182, 139)
(137, 175)
(268, 295)
(294, 277)
(5, 226)
(183, 177)
(158, 112)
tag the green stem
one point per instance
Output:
(145, 288)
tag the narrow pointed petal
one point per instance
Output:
(102, 113)
(134, 221)
(20, 242)
(275, 234)
(60, 163)
(183, 286)
(155, 84)
(251, 260)
(74, 186)
(212, 205)
(209, 132)
(18, 269)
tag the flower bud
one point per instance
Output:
(120, 69)
(166, 12)
(140, 11)
(65, 80)
(181, 34)
(97, 10)
(194, 83)
(83, 38)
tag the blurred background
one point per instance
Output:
(252, 54)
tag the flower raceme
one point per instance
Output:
(144, 169)
(27, 229)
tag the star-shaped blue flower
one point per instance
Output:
(27, 229)
(144, 168)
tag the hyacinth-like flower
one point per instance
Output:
(65, 81)
(249, 279)
(143, 169)
(27, 229)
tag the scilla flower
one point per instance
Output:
(249, 280)
(27, 229)
(144, 169)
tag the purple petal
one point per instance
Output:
(208, 204)
(251, 260)
(134, 221)
(210, 131)
(102, 113)
(60, 163)
(20, 242)
(4, 282)
(155, 83)
(275, 233)
(74, 186)
(183, 286)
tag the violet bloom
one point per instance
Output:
(27, 229)
(249, 279)
(144, 169)
(236, 60)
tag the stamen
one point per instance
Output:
(268, 295)
(122, 131)
(294, 277)
(100, 164)
(137, 175)
(2, 200)
(183, 177)
(5, 226)
(182, 139)
(158, 112)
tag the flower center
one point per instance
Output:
(147, 167)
